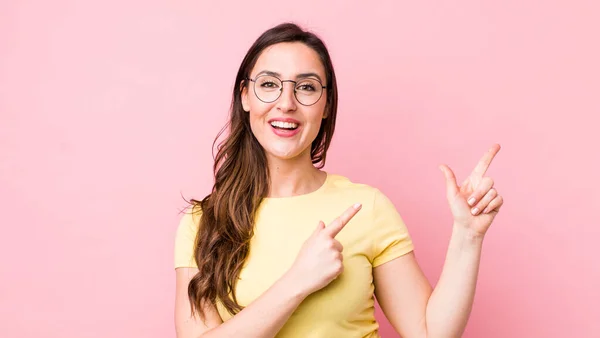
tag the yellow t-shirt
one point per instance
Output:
(345, 307)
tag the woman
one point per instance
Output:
(255, 258)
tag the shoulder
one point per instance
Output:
(185, 237)
(190, 220)
(374, 200)
(346, 186)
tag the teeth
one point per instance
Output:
(286, 125)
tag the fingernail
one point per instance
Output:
(474, 211)
(357, 206)
(471, 200)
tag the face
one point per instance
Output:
(285, 127)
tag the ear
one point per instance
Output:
(244, 93)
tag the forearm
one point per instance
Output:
(265, 316)
(450, 304)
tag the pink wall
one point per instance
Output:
(108, 111)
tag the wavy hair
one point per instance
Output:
(242, 180)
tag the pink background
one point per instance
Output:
(109, 108)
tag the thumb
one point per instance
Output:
(320, 227)
(451, 186)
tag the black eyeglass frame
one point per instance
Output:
(281, 90)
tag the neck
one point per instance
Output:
(292, 177)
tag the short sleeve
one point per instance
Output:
(391, 238)
(185, 238)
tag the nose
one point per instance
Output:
(287, 100)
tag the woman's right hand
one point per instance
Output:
(320, 259)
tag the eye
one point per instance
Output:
(306, 87)
(268, 84)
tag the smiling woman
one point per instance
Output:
(279, 112)
(254, 257)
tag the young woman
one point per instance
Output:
(282, 248)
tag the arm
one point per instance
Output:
(317, 264)
(185, 325)
(404, 293)
(410, 304)
(450, 305)
(262, 318)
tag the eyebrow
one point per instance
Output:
(298, 76)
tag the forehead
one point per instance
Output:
(289, 59)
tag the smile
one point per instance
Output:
(284, 125)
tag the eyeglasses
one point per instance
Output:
(268, 89)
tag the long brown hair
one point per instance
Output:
(242, 180)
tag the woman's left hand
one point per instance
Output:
(474, 204)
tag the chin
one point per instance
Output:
(284, 154)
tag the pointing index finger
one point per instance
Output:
(485, 161)
(339, 223)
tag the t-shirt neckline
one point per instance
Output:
(302, 196)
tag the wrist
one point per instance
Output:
(466, 236)
(292, 286)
